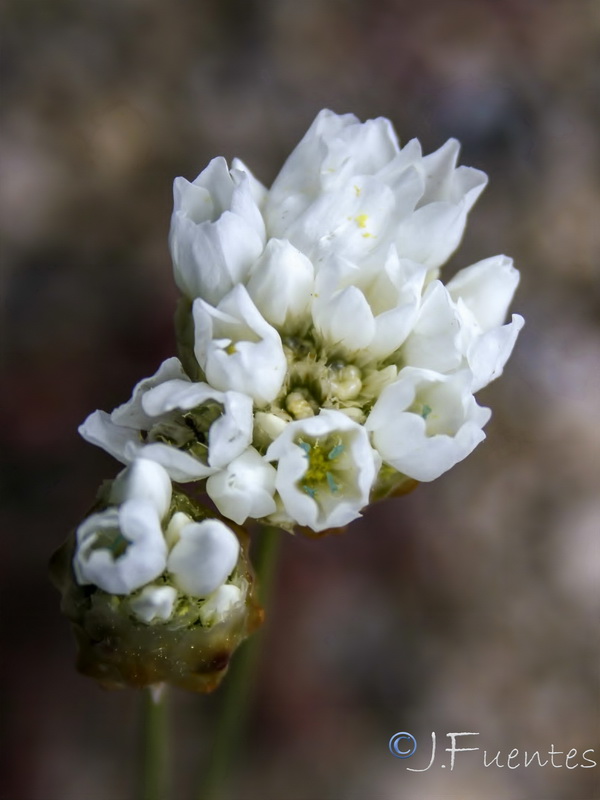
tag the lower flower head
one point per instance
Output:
(156, 601)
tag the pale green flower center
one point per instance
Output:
(187, 431)
(422, 409)
(321, 455)
(318, 379)
(110, 539)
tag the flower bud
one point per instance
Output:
(179, 622)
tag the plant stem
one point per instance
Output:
(237, 694)
(154, 783)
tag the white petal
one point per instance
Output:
(281, 283)
(177, 394)
(391, 329)
(486, 288)
(143, 480)
(345, 319)
(231, 433)
(489, 353)
(245, 488)
(358, 149)
(407, 186)
(257, 190)
(395, 297)
(131, 413)
(435, 341)
(350, 221)
(267, 426)
(119, 432)
(247, 194)
(204, 557)
(181, 466)
(177, 523)
(447, 182)
(220, 604)
(432, 233)
(154, 602)
(119, 441)
(215, 183)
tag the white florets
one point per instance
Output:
(326, 343)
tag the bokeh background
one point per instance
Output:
(470, 605)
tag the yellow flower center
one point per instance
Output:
(321, 456)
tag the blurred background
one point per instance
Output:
(470, 605)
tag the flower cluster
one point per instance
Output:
(157, 589)
(322, 363)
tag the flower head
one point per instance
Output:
(324, 365)
(156, 593)
(318, 339)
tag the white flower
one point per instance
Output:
(220, 604)
(436, 340)
(486, 289)
(154, 602)
(222, 419)
(458, 325)
(368, 309)
(426, 422)
(245, 488)
(203, 557)
(120, 549)
(482, 293)
(217, 230)
(143, 480)
(190, 428)
(348, 188)
(432, 233)
(326, 468)
(488, 353)
(237, 348)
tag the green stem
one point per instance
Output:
(154, 783)
(237, 694)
